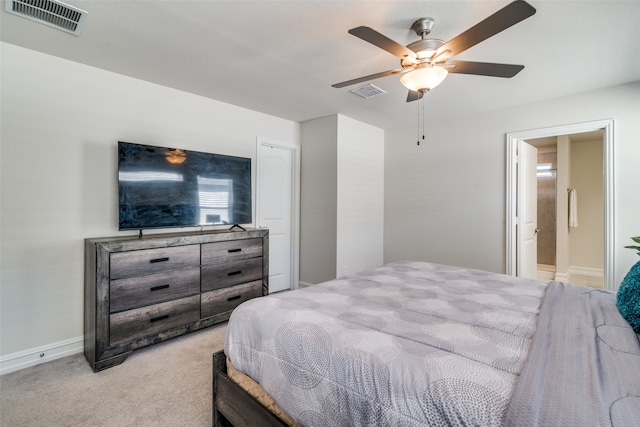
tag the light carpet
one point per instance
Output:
(168, 384)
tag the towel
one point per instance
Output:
(573, 208)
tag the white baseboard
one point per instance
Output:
(545, 275)
(576, 270)
(586, 271)
(305, 284)
(35, 356)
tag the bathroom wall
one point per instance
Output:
(547, 207)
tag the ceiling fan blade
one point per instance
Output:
(383, 42)
(483, 68)
(414, 95)
(509, 15)
(369, 77)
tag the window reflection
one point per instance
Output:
(215, 197)
(149, 176)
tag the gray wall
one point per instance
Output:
(445, 199)
(61, 122)
(342, 198)
(318, 199)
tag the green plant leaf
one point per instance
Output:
(634, 247)
(637, 240)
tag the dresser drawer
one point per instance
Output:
(125, 294)
(148, 261)
(153, 319)
(231, 273)
(215, 253)
(227, 299)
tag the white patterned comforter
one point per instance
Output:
(406, 344)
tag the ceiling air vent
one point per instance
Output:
(49, 12)
(368, 91)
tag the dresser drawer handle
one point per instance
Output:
(155, 319)
(157, 288)
(234, 250)
(234, 298)
(234, 273)
(153, 261)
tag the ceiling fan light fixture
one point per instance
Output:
(425, 54)
(424, 50)
(424, 79)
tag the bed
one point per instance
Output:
(416, 343)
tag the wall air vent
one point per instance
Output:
(49, 12)
(368, 91)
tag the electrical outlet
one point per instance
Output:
(345, 270)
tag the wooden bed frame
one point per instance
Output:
(232, 405)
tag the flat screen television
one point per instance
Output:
(160, 187)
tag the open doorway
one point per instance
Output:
(570, 208)
(581, 132)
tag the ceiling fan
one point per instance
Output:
(426, 63)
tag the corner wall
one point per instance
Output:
(360, 227)
(342, 202)
(318, 199)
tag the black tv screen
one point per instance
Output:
(161, 187)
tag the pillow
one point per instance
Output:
(628, 298)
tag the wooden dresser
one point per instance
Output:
(141, 291)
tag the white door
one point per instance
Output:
(527, 212)
(275, 210)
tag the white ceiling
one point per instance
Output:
(281, 57)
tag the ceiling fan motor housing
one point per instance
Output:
(423, 26)
(424, 50)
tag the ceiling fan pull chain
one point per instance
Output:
(423, 118)
(421, 104)
(418, 132)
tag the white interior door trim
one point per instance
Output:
(295, 203)
(609, 219)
